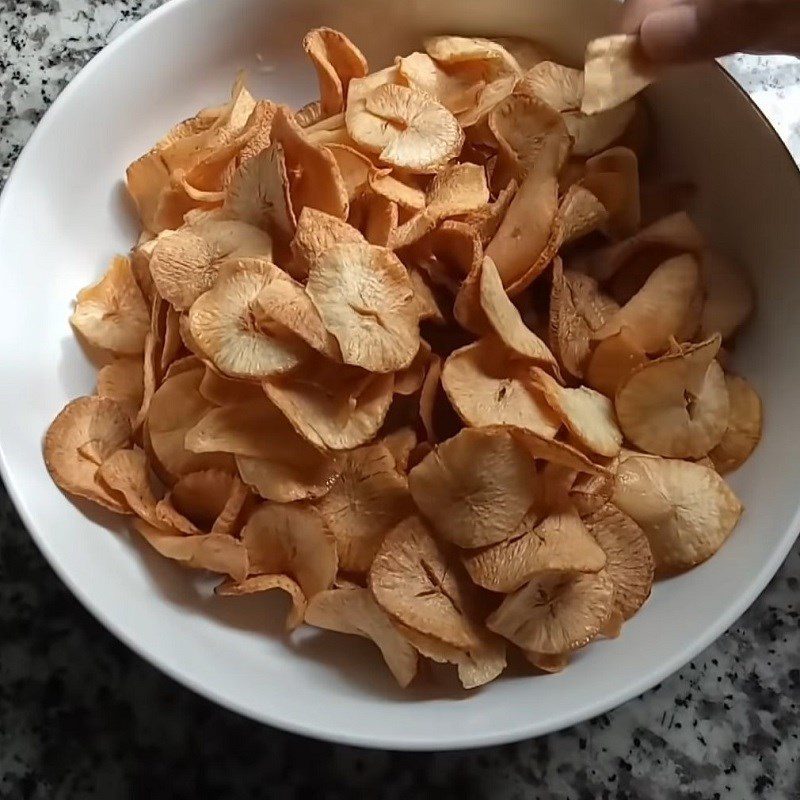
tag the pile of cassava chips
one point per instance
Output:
(429, 355)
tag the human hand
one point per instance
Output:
(692, 30)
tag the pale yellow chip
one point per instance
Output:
(223, 323)
(122, 381)
(578, 309)
(685, 509)
(744, 426)
(113, 314)
(291, 539)
(405, 127)
(256, 584)
(331, 405)
(177, 407)
(588, 414)
(477, 487)
(354, 611)
(629, 561)
(616, 70)
(368, 499)
(558, 542)
(337, 61)
(186, 263)
(486, 387)
(365, 298)
(210, 551)
(556, 612)
(94, 422)
(659, 310)
(676, 406)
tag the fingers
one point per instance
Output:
(635, 11)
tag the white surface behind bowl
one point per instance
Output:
(64, 214)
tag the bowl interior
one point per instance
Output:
(65, 213)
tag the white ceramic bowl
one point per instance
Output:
(64, 213)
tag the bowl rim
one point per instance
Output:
(457, 740)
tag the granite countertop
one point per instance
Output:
(83, 717)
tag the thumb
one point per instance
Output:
(674, 33)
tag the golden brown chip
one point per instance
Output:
(113, 314)
(291, 539)
(381, 220)
(629, 561)
(612, 362)
(368, 498)
(659, 310)
(212, 551)
(259, 194)
(127, 473)
(186, 263)
(146, 179)
(424, 298)
(224, 326)
(409, 380)
(559, 542)
(744, 426)
(221, 391)
(104, 427)
(402, 192)
(354, 611)
(557, 452)
(556, 612)
(477, 487)
(331, 405)
(685, 509)
(616, 70)
(354, 166)
(487, 220)
(577, 310)
(485, 387)
(314, 176)
(729, 297)
(506, 321)
(365, 298)
(176, 407)
(428, 394)
(196, 501)
(588, 414)
(414, 582)
(256, 584)
(455, 190)
(337, 61)
(676, 406)
(449, 253)
(407, 128)
(529, 235)
(122, 381)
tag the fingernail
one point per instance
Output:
(670, 34)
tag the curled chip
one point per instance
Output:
(588, 414)
(616, 70)
(291, 539)
(354, 611)
(676, 406)
(112, 314)
(86, 432)
(256, 584)
(728, 296)
(477, 487)
(457, 93)
(557, 452)
(126, 473)
(559, 86)
(661, 307)
(122, 381)
(629, 561)
(337, 61)
(402, 192)
(507, 322)
(212, 551)
(685, 509)
(196, 501)
(365, 298)
(355, 168)
(613, 176)
(578, 309)
(612, 362)
(556, 612)
(416, 584)
(186, 262)
(177, 407)
(333, 406)
(744, 426)
(558, 542)
(485, 387)
(407, 128)
(224, 325)
(368, 498)
(581, 213)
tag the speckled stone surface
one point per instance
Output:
(82, 717)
